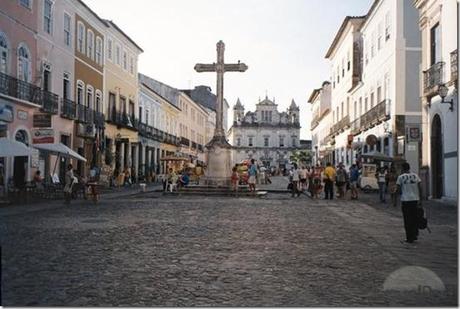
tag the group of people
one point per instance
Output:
(174, 180)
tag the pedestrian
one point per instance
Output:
(317, 172)
(392, 176)
(354, 176)
(303, 178)
(235, 178)
(69, 181)
(295, 181)
(381, 180)
(329, 177)
(409, 186)
(341, 180)
(252, 176)
(311, 186)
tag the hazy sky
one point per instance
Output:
(282, 41)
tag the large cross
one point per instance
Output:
(220, 68)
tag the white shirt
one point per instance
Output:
(295, 175)
(409, 186)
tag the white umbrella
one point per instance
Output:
(59, 150)
(9, 148)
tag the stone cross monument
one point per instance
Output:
(218, 149)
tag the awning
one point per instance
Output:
(59, 150)
(10, 148)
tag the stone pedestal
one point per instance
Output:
(219, 163)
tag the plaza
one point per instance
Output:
(160, 250)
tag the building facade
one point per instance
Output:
(438, 22)
(320, 100)
(266, 135)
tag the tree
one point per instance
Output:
(301, 157)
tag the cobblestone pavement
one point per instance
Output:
(188, 251)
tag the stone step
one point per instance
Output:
(217, 193)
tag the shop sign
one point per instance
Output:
(22, 115)
(414, 133)
(42, 121)
(42, 136)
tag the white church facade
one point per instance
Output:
(266, 135)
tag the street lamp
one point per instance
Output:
(443, 91)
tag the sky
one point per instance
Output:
(282, 41)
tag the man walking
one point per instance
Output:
(354, 176)
(329, 177)
(252, 176)
(295, 181)
(408, 184)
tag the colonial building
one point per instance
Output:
(89, 85)
(320, 100)
(121, 93)
(374, 85)
(265, 134)
(21, 96)
(438, 22)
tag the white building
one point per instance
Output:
(266, 135)
(320, 100)
(438, 21)
(375, 93)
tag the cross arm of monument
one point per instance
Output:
(202, 67)
(235, 67)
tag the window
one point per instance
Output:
(131, 65)
(238, 141)
(435, 44)
(379, 94)
(3, 54)
(125, 60)
(361, 106)
(341, 107)
(348, 61)
(117, 54)
(348, 106)
(89, 96)
(366, 52)
(81, 37)
(387, 26)
(141, 118)
(47, 78)
(147, 116)
(386, 84)
(266, 141)
(373, 45)
(99, 50)
(250, 141)
(109, 49)
(80, 97)
(281, 141)
(47, 16)
(372, 99)
(24, 64)
(294, 141)
(131, 109)
(112, 108)
(25, 3)
(66, 86)
(343, 67)
(355, 110)
(379, 36)
(90, 44)
(365, 104)
(67, 33)
(98, 101)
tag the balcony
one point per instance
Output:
(19, 89)
(200, 147)
(454, 67)
(355, 126)
(142, 129)
(123, 120)
(85, 114)
(185, 141)
(314, 122)
(343, 124)
(432, 78)
(194, 145)
(50, 102)
(68, 109)
(99, 120)
(375, 115)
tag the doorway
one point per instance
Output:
(437, 150)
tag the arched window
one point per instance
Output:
(99, 59)
(80, 94)
(89, 96)
(22, 137)
(90, 44)
(24, 64)
(98, 101)
(3, 54)
(81, 37)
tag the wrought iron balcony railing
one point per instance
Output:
(194, 145)
(355, 126)
(99, 120)
(343, 124)
(19, 89)
(50, 102)
(185, 141)
(200, 147)
(375, 115)
(68, 109)
(454, 66)
(432, 78)
(85, 114)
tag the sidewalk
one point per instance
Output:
(107, 194)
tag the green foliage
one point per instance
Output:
(301, 157)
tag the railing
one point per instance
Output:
(454, 66)
(99, 120)
(375, 115)
(50, 102)
(19, 89)
(123, 120)
(200, 147)
(343, 124)
(85, 114)
(194, 146)
(432, 78)
(185, 141)
(68, 109)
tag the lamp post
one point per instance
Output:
(443, 91)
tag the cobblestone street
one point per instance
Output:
(188, 251)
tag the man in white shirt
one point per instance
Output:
(408, 185)
(295, 181)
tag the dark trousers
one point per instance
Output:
(409, 210)
(328, 189)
